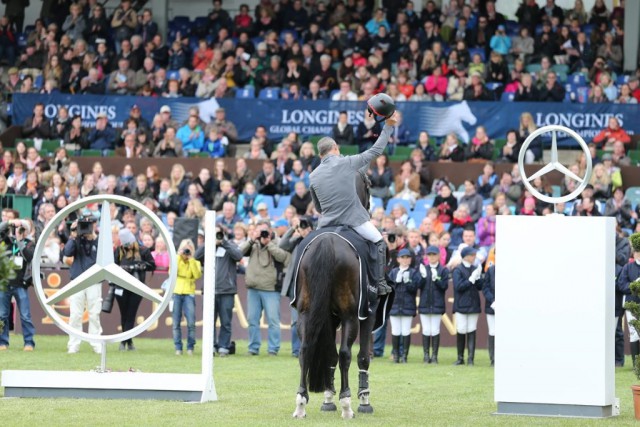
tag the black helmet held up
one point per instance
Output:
(381, 105)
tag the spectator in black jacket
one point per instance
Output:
(7, 42)
(552, 91)
(342, 131)
(37, 126)
(476, 90)
(269, 180)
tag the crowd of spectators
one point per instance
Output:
(348, 52)
(322, 49)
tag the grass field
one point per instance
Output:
(260, 391)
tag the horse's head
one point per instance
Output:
(463, 112)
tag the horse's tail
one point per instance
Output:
(319, 338)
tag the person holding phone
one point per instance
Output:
(184, 296)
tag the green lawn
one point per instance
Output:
(261, 390)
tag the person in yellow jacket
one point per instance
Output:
(184, 298)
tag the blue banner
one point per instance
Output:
(318, 117)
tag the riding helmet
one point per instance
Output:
(381, 105)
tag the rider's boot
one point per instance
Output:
(383, 286)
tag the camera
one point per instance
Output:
(186, 251)
(391, 238)
(85, 225)
(219, 235)
(264, 234)
(304, 224)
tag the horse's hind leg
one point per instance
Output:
(330, 391)
(366, 327)
(349, 333)
(302, 397)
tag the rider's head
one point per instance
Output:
(327, 146)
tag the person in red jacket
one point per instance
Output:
(611, 135)
(202, 57)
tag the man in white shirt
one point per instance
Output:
(345, 93)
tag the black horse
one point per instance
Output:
(328, 292)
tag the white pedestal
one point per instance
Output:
(555, 316)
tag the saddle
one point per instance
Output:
(367, 257)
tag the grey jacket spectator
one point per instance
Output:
(474, 202)
(123, 80)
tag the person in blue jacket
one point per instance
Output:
(489, 291)
(431, 305)
(406, 281)
(466, 303)
(628, 275)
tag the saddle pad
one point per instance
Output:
(360, 246)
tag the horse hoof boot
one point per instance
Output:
(328, 407)
(365, 409)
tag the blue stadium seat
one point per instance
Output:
(512, 28)
(22, 40)
(201, 22)
(622, 79)
(173, 75)
(38, 81)
(587, 28)
(392, 202)
(507, 97)
(268, 200)
(493, 85)
(533, 68)
(284, 201)
(561, 68)
(283, 32)
(180, 20)
(424, 204)
(376, 202)
(578, 79)
(246, 92)
(633, 195)
(269, 93)
(417, 217)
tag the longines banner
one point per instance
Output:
(317, 117)
(55, 279)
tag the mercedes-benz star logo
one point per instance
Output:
(554, 164)
(105, 268)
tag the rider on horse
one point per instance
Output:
(333, 187)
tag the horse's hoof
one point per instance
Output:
(328, 407)
(365, 409)
(348, 415)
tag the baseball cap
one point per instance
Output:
(135, 107)
(101, 115)
(468, 251)
(165, 109)
(404, 252)
(433, 250)
(501, 27)
(262, 206)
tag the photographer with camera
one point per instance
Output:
(301, 227)
(227, 256)
(184, 296)
(261, 280)
(136, 260)
(14, 235)
(80, 253)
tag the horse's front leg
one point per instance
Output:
(349, 333)
(302, 396)
(363, 365)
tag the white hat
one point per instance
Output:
(165, 109)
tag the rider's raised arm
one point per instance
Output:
(363, 159)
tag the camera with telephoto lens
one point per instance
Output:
(264, 234)
(219, 235)
(186, 251)
(304, 224)
(85, 225)
(391, 238)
